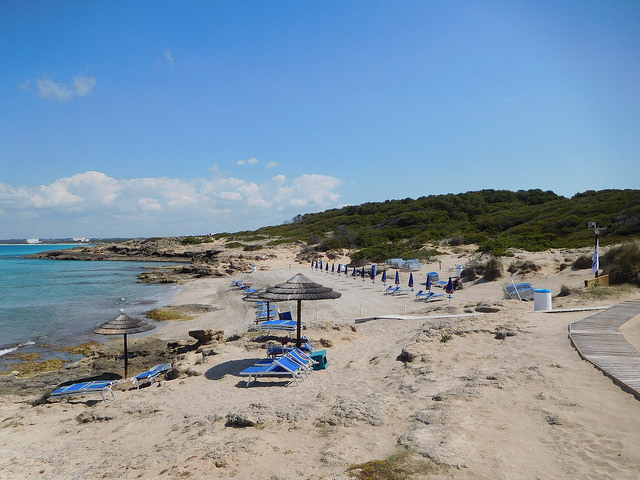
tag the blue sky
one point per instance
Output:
(154, 118)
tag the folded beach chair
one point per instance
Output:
(85, 388)
(302, 358)
(151, 374)
(278, 326)
(521, 291)
(391, 290)
(306, 345)
(281, 367)
(261, 310)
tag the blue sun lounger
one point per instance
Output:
(298, 356)
(429, 296)
(282, 367)
(85, 388)
(279, 325)
(151, 374)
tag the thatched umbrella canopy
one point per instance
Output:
(124, 324)
(299, 288)
(257, 297)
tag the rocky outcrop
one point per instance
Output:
(208, 336)
(190, 261)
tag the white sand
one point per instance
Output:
(523, 407)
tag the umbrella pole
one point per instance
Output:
(126, 358)
(298, 342)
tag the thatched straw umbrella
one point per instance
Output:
(124, 324)
(299, 288)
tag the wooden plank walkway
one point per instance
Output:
(599, 341)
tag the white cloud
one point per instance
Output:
(158, 205)
(168, 56)
(47, 88)
(84, 85)
(149, 204)
(251, 161)
(272, 164)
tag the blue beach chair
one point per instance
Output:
(150, 375)
(281, 367)
(86, 388)
(278, 325)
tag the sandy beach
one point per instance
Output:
(506, 397)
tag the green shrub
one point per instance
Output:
(191, 241)
(564, 291)
(623, 263)
(165, 314)
(492, 269)
(403, 464)
(605, 291)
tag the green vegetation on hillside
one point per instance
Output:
(496, 220)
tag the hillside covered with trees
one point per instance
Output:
(495, 220)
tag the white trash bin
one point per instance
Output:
(541, 299)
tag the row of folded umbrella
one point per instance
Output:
(318, 265)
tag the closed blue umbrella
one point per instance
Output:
(384, 278)
(333, 267)
(339, 268)
(355, 272)
(373, 273)
(397, 278)
(411, 281)
(449, 288)
(428, 282)
(327, 267)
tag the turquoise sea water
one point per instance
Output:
(45, 304)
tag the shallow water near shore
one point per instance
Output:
(46, 304)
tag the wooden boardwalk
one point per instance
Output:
(598, 340)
